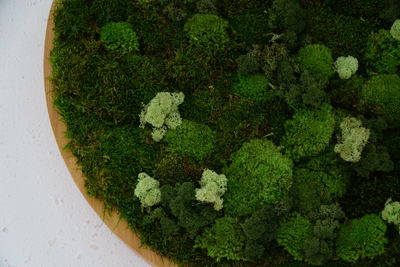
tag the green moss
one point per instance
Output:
(254, 87)
(101, 85)
(317, 59)
(259, 175)
(309, 132)
(119, 35)
(362, 238)
(382, 53)
(382, 92)
(191, 139)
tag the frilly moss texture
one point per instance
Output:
(238, 132)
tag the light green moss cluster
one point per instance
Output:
(391, 212)
(395, 30)
(213, 186)
(162, 113)
(346, 66)
(148, 190)
(353, 140)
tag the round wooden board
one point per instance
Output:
(113, 221)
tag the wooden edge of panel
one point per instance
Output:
(118, 226)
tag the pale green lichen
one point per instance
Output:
(213, 186)
(162, 113)
(148, 190)
(353, 140)
(395, 30)
(391, 212)
(346, 66)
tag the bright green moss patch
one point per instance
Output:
(238, 132)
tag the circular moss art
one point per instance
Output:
(238, 132)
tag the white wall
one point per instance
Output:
(44, 220)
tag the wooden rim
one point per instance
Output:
(118, 226)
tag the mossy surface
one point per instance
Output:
(262, 106)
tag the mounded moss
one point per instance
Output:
(260, 94)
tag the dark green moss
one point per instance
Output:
(100, 89)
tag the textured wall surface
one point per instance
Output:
(44, 220)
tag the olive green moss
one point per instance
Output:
(260, 94)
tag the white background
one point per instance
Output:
(44, 220)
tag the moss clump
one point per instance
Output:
(265, 179)
(317, 59)
(223, 240)
(254, 87)
(207, 31)
(308, 132)
(382, 92)
(246, 172)
(361, 238)
(191, 139)
(119, 35)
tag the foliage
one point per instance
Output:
(148, 190)
(255, 87)
(361, 238)
(100, 92)
(247, 64)
(162, 113)
(293, 233)
(213, 186)
(180, 201)
(191, 139)
(344, 35)
(287, 17)
(382, 53)
(308, 132)
(353, 140)
(207, 7)
(173, 168)
(119, 35)
(223, 240)
(391, 212)
(260, 230)
(207, 31)
(382, 92)
(346, 66)
(326, 221)
(259, 174)
(395, 30)
(307, 92)
(317, 59)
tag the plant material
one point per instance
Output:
(391, 212)
(382, 53)
(247, 64)
(259, 175)
(395, 30)
(148, 190)
(362, 238)
(287, 17)
(260, 230)
(254, 87)
(207, 31)
(317, 59)
(180, 202)
(223, 240)
(191, 139)
(213, 186)
(382, 92)
(162, 113)
(353, 140)
(293, 233)
(346, 67)
(308, 132)
(119, 35)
